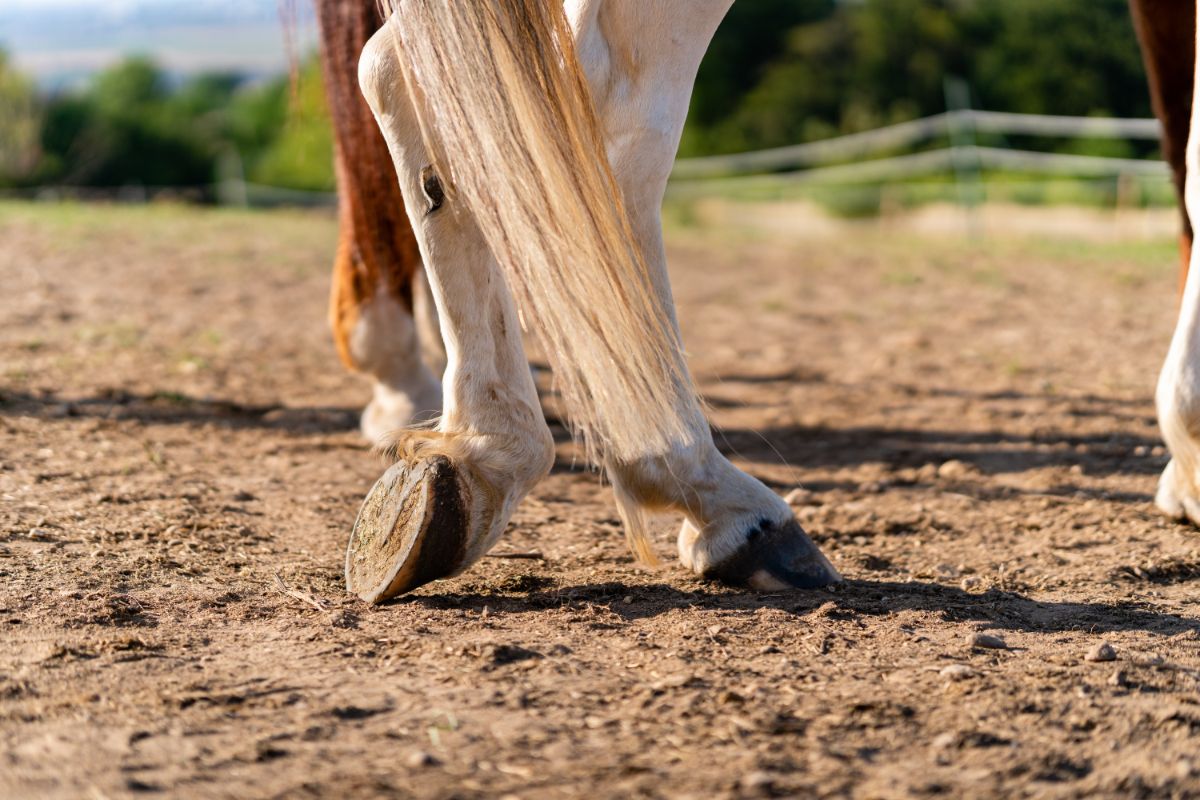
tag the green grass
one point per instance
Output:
(300, 240)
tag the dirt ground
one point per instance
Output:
(971, 423)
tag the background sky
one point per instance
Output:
(61, 42)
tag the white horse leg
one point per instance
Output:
(556, 222)
(386, 343)
(1178, 395)
(641, 60)
(453, 489)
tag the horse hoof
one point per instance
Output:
(415, 526)
(1176, 496)
(775, 556)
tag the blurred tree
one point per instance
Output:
(1056, 57)
(749, 39)
(301, 155)
(854, 66)
(255, 117)
(19, 124)
(778, 72)
(123, 132)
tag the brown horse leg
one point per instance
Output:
(377, 264)
(1167, 32)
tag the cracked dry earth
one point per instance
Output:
(971, 424)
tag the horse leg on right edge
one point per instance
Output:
(381, 313)
(1166, 32)
(1178, 394)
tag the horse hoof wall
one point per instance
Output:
(776, 557)
(413, 528)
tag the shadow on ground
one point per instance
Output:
(998, 609)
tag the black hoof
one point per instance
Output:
(413, 528)
(776, 557)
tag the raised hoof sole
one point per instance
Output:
(776, 557)
(413, 528)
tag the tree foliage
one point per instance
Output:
(130, 126)
(854, 66)
(778, 72)
(19, 123)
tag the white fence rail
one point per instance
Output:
(951, 123)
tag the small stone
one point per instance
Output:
(757, 781)
(944, 741)
(40, 534)
(1118, 678)
(714, 630)
(419, 758)
(242, 496)
(1102, 652)
(953, 469)
(987, 641)
(797, 497)
(971, 584)
(957, 672)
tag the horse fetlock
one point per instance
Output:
(395, 407)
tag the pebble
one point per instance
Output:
(1102, 652)
(953, 469)
(945, 740)
(419, 758)
(797, 497)
(1118, 678)
(758, 780)
(957, 672)
(971, 584)
(987, 641)
(40, 534)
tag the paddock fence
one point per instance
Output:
(964, 157)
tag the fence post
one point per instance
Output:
(231, 179)
(963, 154)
